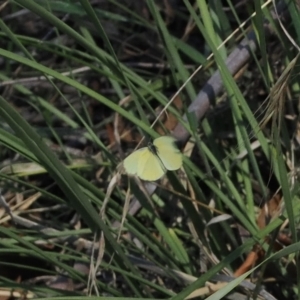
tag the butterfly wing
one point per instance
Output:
(150, 167)
(168, 153)
(144, 164)
(131, 162)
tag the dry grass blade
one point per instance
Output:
(276, 100)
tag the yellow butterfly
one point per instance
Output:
(150, 163)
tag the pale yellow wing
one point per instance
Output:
(168, 153)
(150, 167)
(144, 164)
(131, 161)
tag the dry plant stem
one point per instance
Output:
(214, 86)
(188, 279)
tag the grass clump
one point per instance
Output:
(82, 84)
